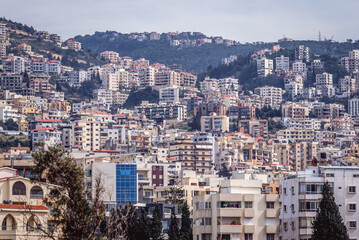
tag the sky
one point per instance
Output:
(240, 20)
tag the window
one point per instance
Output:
(285, 208)
(248, 204)
(89, 184)
(292, 207)
(352, 207)
(248, 236)
(352, 224)
(270, 236)
(19, 188)
(206, 221)
(352, 189)
(306, 222)
(285, 190)
(329, 175)
(285, 226)
(225, 237)
(36, 193)
(271, 205)
(229, 204)
(308, 206)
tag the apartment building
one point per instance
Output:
(282, 63)
(274, 94)
(353, 107)
(169, 95)
(75, 78)
(195, 156)
(294, 135)
(160, 113)
(46, 135)
(40, 85)
(329, 111)
(295, 110)
(255, 128)
(301, 194)
(187, 79)
(8, 112)
(110, 56)
(24, 48)
(10, 81)
(302, 123)
(119, 98)
(104, 95)
(73, 44)
(228, 86)
(3, 40)
(147, 76)
(299, 67)
(347, 85)
(264, 67)
(167, 78)
(239, 211)
(302, 53)
(89, 133)
(323, 81)
(302, 153)
(214, 123)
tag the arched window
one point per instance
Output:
(32, 224)
(36, 193)
(8, 223)
(19, 188)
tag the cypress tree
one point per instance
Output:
(173, 232)
(328, 224)
(143, 228)
(186, 226)
(156, 224)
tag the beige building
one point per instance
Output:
(22, 206)
(214, 123)
(89, 133)
(72, 44)
(167, 78)
(296, 135)
(239, 211)
(147, 76)
(192, 155)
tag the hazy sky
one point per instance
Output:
(241, 20)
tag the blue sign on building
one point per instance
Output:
(126, 183)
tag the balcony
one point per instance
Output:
(271, 229)
(271, 213)
(249, 212)
(249, 228)
(230, 212)
(229, 228)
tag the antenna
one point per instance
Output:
(319, 37)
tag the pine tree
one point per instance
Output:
(328, 224)
(173, 232)
(186, 226)
(156, 224)
(143, 228)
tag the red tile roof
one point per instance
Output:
(32, 207)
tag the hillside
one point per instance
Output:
(19, 33)
(200, 57)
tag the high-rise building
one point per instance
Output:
(264, 67)
(282, 63)
(301, 194)
(353, 107)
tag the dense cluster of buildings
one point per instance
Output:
(278, 164)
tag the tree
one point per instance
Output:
(224, 171)
(143, 228)
(156, 224)
(328, 224)
(173, 233)
(72, 212)
(121, 223)
(186, 226)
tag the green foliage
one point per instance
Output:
(196, 123)
(9, 125)
(136, 97)
(72, 211)
(328, 224)
(173, 231)
(224, 171)
(274, 126)
(267, 112)
(156, 224)
(186, 225)
(143, 228)
(13, 141)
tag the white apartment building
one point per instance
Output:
(238, 212)
(323, 81)
(47, 135)
(110, 56)
(293, 89)
(228, 86)
(299, 66)
(147, 76)
(353, 107)
(347, 85)
(104, 95)
(119, 98)
(302, 53)
(8, 112)
(302, 123)
(294, 135)
(301, 194)
(282, 63)
(73, 44)
(169, 95)
(75, 78)
(275, 94)
(264, 67)
(354, 54)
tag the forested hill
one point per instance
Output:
(196, 58)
